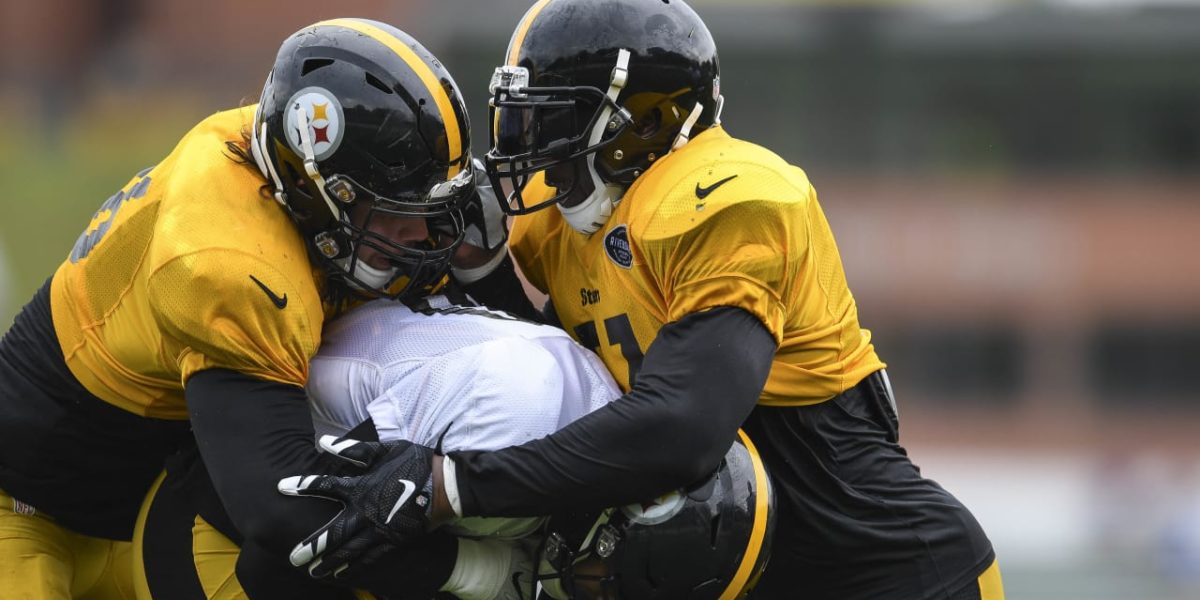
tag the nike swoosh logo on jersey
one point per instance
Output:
(702, 192)
(409, 488)
(275, 299)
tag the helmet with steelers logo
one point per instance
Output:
(358, 121)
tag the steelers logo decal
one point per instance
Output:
(325, 121)
(655, 511)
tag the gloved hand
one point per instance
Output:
(384, 508)
(486, 229)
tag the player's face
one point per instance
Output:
(401, 231)
(572, 176)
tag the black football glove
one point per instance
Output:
(385, 508)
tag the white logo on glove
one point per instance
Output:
(409, 488)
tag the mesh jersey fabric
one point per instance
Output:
(170, 278)
(759, 241)
(470, 378)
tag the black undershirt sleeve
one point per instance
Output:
(252, 433)
(700, 378)
(550, 315)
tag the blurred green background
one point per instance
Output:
(1015, 186)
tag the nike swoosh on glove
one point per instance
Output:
(384, 508)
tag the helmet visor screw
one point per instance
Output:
(326, 245)
(606, 541)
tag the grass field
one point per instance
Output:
(53, 184)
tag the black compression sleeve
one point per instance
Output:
(252, 433)
(700, 378)
(502, 290)
(265, 575)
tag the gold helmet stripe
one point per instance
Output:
(440, 97)
(518, 38)
(759, 530)
(514, 48)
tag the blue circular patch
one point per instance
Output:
(616, 246)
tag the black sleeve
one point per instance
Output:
(550, 314)
(263, 575)
(701, 377)
(252, 433)
(502, 290)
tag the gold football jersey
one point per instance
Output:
(188, 267)
(719, 222)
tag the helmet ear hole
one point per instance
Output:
(649, 124)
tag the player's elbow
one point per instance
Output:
(275, 531)
(691, 447)
(271, 532)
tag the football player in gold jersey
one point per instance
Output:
(196, 296)
(703, 271)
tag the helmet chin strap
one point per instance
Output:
(553, 585)
(593, 212)
(589, 216)
(685, 132)
(258, 148)
(310, 160)
(375, 279)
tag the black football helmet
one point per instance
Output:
(357, 112)
(595, 91)
(708, 541)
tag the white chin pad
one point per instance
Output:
(590, 215)
(593, 212)
(372, 277)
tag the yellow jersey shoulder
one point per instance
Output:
(159, 284)
(231, 277)
(712, 172)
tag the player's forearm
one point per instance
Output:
(699, 380)
(251, 434)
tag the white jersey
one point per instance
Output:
(476, 379)
(473, 379)
(484, 379)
